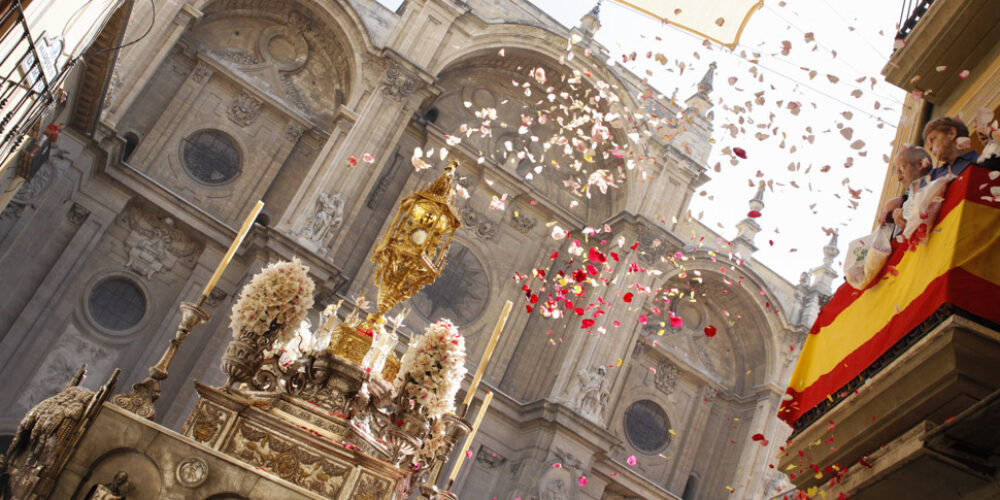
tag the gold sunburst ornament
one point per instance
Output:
(410, 256)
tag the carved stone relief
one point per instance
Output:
(31, 191)
(482, 226)
(591, 396)
(64, 358)
(398, 83)
(192, 472)
(667, 375)
(154, 244)
(294, 131)
(522, 223)
(325, 220)
(201, 72)
(77, 214)
(245, 109)
(235, 56)
(489, 458)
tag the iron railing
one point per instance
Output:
(912, 11)
(25, 79)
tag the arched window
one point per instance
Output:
(116, 303)
(211, 157)
(131, 142)
(647, 426)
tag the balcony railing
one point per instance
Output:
(25, 78)
(861, 332)
(912, 11)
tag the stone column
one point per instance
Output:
(754, 458)
(380, 122)
(144, 59)
(588, 351)
(694, 433)
(176, 111)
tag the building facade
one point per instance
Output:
(222, 103)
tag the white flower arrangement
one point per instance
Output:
(432, 369)
(434, 444)
(277, 298)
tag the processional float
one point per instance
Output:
(341, 417)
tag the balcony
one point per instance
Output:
(953, 34)
(27, 71)
(897, 390)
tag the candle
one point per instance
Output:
(486, 355)
(232, 250)
(468, 439)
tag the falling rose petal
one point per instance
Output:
(963, 74)
(630, 460)
(710, 331)
(558, 233)
(582, 481)
(753, 214)
(675, 320)
(557, 465)
(587, 323)
(740, 152)
(643, 319)
(352, 160)
(757, 437)
(498, 202)
(368, 158)
(468, 453)
(720, 21)
(941, 69)
(627, 297)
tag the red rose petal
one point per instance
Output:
(740, 152)
(710, 331)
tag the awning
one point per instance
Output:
(959, 265)
(721, 21)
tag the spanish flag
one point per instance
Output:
(959, 265)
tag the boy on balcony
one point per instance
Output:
(911, 164)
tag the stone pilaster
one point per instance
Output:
(146, 57)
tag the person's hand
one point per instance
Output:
(897, 217)
(890, 207)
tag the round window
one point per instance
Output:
(460, 294)
(117, 304)
(647, 426)
(211, 157)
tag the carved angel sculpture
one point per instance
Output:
(326, 219)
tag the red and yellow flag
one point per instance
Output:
(958, 265)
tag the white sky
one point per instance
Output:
(793, 217)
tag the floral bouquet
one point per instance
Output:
(432, 369)
(274, 302)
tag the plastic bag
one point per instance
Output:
(921, 210)
(866, 256)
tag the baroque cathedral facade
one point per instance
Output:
(225, 102)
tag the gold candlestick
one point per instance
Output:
(232, 249)
(486, 357)
(468, 439)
